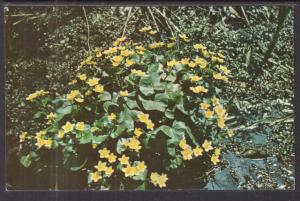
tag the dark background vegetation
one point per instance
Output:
(44, 45)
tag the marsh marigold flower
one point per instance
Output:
(207, 145)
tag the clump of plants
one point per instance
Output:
(142, 110)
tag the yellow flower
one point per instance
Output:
(215, 100)
(112, 117)
(36, 94)
(82, 77)
(112, 158)
(195, 78)
(134, 144)
(138, 72)
(145, 29)
(220, 111)
(129, 63)
(124, 160)
(23, 136)
(172, 63)
(205, 53)
(88, 92)
(220, 60)
(72, 95)
(79, 100)
(108, 171)
(143, 117)
(93, 129)
(124, 93)
(198, 89)
(98, 88)
(173, 38)
(170, 45)
(183, 144)
(217, 151)
(121, 39)
(204, 106)
(221, 122)
(218, 76)
(192, 64)
(158, 180)
(152, 32)
(104, 153)
(215, 159)
(51, 116)
(124, 53)
(156, 45)
(207, 145)
(230, 133)
(128, 171)
(101, 166)
(95, 176)
(68, 127)
(224, 69)
(221, 56)
(187, 154)
(94, 146)
(140, 167)
(140, 48)
(138, 132)
(198, 151)
(184, 37)
(80, 126)
(93, 81)
(185, 61)
(209, 113)
(149, 125)
(111, 50)
(199, 46)
(99, 54)
(201, 62)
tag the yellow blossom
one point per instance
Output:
(187, 154)
(172, 63)
(185, 61)
(124, 160)
(80, 126)
(149, 125)
(79, 100)
(230, 133)
(134, 144)
(207, 145)
(209, 113)
(138, 132)
(112, 117)
(68, 127)
(112, 158)
(170, 45)
(95, 176)
(108, 171)
(183, 144)
(217, 151)
(198, 151)
(129, 62)
(145, 29)
(72, 95)
(224, 69)
(221, 56)
(220, 111)
(101, 166)
(192, 64)
(215, 100)
(143, 117)
(128, 171)
(36, 94)
(152, 32)
(124, 93)
(124, 53)
(195, 78)
(94, 129)
(204, 106)
(140, 48)
(184, 37)
(23, 136)
(140, 167)
(199, 46)
(221, 122)
(215, 159)
(61, 133)
(93, 81)
(82, 77)
(138, 72)
(158, 180)
(51, 116)
(198, 89)
(104, 153)
(98, 88)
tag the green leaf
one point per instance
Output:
(76, 168)
(86, 137)
(132, 104)
(120, 129)
(141, 177)
(105, 96)
(120, 145)
(107, 104)
(169, 114)
(37, 115)
(65, 110)
(25, 160)
(149, 83)
(161, 97)
(142, 186)
(99, 139)
(153, 105)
